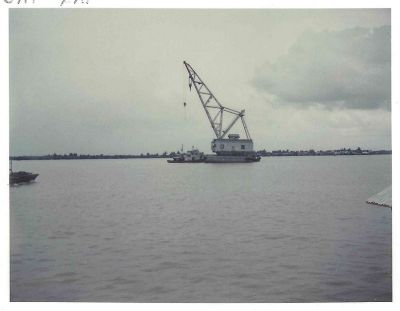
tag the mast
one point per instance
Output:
(213, 108)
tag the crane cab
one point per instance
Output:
(233, 145)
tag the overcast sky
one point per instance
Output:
(113, 82)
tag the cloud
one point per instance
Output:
(333, 69)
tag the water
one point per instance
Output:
(288, 229)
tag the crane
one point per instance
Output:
(213, 108)
(231, 149)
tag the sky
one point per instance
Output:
(112, 81)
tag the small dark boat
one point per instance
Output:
(21, 177)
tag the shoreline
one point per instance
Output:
(167, 156)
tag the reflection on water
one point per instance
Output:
(282, 230)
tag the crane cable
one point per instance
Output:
(183, 94)
(184, 91)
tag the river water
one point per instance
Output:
(287, 229)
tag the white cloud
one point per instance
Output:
(333, 69)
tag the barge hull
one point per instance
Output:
(230, 159)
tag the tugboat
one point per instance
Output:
(191, 156)
(21, 176)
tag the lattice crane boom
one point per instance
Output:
(210, 103)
